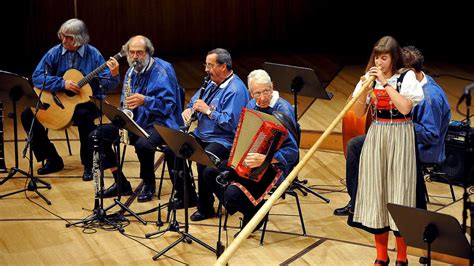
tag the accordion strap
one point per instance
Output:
(268, 159)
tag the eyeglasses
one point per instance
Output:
(138, 53)
(66, 36)
(264, 93)
(210, 65)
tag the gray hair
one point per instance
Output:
(223, 57)
(77, 28)
(148, 45)
(259, 76)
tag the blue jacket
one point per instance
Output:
(431, 119)
(162, 95)
(287, 155)
(226, 106)
(86, 59)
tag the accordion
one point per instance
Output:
(257, 132)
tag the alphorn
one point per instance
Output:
(247, 230)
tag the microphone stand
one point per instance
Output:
(467, 204)
(32, 185)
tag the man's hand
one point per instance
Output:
(186, 114)
(71, 85)
(254, 160)
(135, 100)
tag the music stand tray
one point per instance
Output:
(413, 224)
(296, 80)
(119, 118)
(175, 139)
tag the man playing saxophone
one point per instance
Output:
(152, 95)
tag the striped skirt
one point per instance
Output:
(387, 173)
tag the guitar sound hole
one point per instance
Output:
(70, 93)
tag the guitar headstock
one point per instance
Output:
(120, 54)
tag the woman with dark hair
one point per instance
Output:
(387, 168)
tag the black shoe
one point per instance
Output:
(51, 166)
(199, 216)
(179, 202)
(112, 191)
(247, 219)
(346, 210)
(146, 193)
(87, 175)
(382, 263)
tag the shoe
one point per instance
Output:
(382, 263)
(87, 175)
(199, 216)
(179, 202)
(146, 193)
(399, 262)
(51, 166)
(112, 191)
(346, 210)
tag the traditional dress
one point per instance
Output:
(387, 169)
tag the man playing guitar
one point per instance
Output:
(72, 54)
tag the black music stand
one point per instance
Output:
(298, 81)
(430, 231)
(121, 120)
(184, 146)
(20, 86)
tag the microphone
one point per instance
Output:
(466, 95)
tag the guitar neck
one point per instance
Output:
(96, 71)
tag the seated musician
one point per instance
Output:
(74, 52)
(244, 195)
(151, 92)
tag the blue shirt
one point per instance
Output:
(431, 119)
(158, 83)
(226, 103)
(86, 59)
(287, 154)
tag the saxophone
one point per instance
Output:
(126, 92)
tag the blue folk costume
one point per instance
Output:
(226, 103)
(286, 155)
(53, 66)
(431, 120)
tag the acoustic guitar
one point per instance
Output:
(61, 105)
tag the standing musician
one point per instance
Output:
(387, 169)
(218, 112)
(244, 195)
(74, 52)
(152, 94)
(431, 119)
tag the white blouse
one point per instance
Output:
(411, 87)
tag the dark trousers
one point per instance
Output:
(233, 199)
(205, 203)
(354, 149)
(145, 149)
(42, 147)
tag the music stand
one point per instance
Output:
(184, 146)
(431, 231)
(121, 120)
(298, 81)
(20, 86)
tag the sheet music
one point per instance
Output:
(113, 112)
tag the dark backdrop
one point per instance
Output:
(192, 27)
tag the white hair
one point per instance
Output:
(259, 76)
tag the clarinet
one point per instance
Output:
(193, 117)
